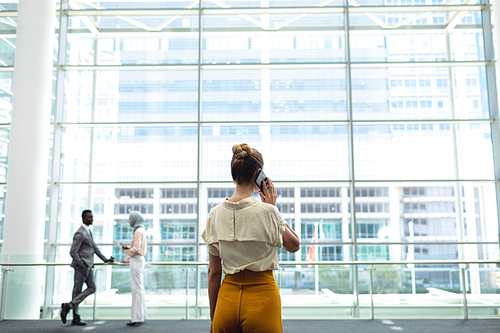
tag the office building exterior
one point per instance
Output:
(385, 109)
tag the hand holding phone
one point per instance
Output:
(269, 195)
(261, 177)
(124, 247)
(268, 192)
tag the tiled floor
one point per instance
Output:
(290, 326)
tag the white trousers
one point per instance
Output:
(138, 293)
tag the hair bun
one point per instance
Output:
(241, 150)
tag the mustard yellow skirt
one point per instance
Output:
(248, 302)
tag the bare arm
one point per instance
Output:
(291, 242)
(214, 277)
(125, 261)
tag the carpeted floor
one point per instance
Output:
(290, 326)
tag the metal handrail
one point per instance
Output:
(284, 263)
(461, 265)
(319, 242)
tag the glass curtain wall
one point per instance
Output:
(7, 50)
(374, 118)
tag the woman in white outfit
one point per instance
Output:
(136, 252)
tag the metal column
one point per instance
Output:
(352, 181)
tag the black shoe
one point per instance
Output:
(64, 312)
(78, 322)
(137, 323)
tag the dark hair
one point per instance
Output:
(86, 211)
(245, 162)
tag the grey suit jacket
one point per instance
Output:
(83, 249)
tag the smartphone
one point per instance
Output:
(261, 176)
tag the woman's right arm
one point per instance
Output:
(214, 277)
(125, 261)
(137, 243)
(291, 242)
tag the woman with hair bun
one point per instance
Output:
(242, 235)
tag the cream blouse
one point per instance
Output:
(139, 244)
(245, 234)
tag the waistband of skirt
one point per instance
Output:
(247, 276)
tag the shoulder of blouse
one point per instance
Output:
(139, 232)
(271, 209)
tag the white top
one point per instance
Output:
(245, 234)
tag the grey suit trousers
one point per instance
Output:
(82, 275)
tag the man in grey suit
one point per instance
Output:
(82, 251)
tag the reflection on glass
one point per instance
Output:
(127, 4)
(274, 94)
(175, 40)
(235, 48)
(4, 150)
(402, 37)
(130, 154)
(180, 48)
(306, 94)
(419, 93)
(5, 96)
(404, 151)
(11, 5)
(412, 151)
(7, 43)
(73, 200)
(154, 169)
(3, 191)
(82, 24)
(290, 152)
(271, 3)
(78, 93)
(170, 217)
(75, 154)
(337, 279)
(232, 95)
(173, 96)
(285, 42)
(383, 214)
(298, 47)
(475, 160)
(401, 2)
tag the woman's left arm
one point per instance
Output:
(214, 277)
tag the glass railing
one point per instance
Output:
(309, 290)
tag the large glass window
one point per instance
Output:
(375, 124)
